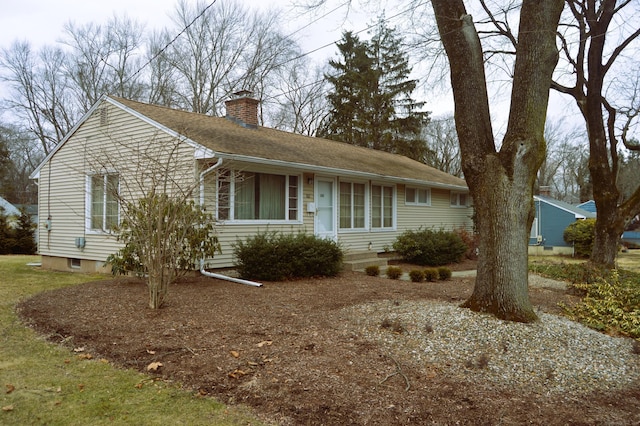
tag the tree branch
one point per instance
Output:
(619, 49)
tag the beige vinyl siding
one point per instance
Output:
(439, 215)
(229, 232)
(93, 149)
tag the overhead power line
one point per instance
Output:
(166, 46)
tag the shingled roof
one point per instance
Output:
(227, 138)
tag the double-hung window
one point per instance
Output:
(104, 208)
(257, 196)
(417, 196)
(459, 199)
(352, 205)
(382, 207)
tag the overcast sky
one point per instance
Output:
(41, 22)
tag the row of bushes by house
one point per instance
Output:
(274, 256)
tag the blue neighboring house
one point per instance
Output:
(629, 238)
(551, 219)
(589, 206)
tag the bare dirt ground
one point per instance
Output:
(289, 351)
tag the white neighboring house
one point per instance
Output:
(251, 178)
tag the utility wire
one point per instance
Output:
(302, 55)
(166, 46)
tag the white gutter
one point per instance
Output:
(203, 174)
(202, 269)
(226, 277)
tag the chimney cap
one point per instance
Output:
(242, 94)
(545, 190)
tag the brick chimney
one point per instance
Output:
(545, 191)
(242, 108)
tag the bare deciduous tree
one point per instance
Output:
(501, 181)
(599, 40)
(301, 104)
(564, 167)
(104, 59)
(165, 232)
(227, 49)
(39, 95)
(442, 141)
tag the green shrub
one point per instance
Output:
(581, 234)
(274, 256)
(610, 305)
(429, 247)
(431, 274)
(444, 273)
(394, 272)
(416, 275)
(372, 271)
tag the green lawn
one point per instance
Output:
(629, 260)
(42, 383)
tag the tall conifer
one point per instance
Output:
(371, 104)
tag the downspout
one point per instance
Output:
(226, 277)
(202, 262)
(203, 174)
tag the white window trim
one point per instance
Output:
(232, 191)
(418, 203)
(87, 205)
(394, 212)
(534, 233)
(367, 204)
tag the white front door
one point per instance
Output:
(325, 223)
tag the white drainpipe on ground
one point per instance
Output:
(226, 277)
(202, 262)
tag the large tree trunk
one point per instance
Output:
(501, 182)
(503, 221)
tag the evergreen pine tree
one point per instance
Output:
(24, 241)
(6, 239)
(371, 103)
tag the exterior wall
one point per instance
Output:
(118, 142)
(539, 250)
(631, 238)
(229, 232)
(439, 215)
(551, 222)
(96, 146)
(65, 264)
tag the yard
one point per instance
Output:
(345, 350)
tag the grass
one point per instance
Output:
(47, 384)
(630, 260)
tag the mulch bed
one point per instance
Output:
(290, 351)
